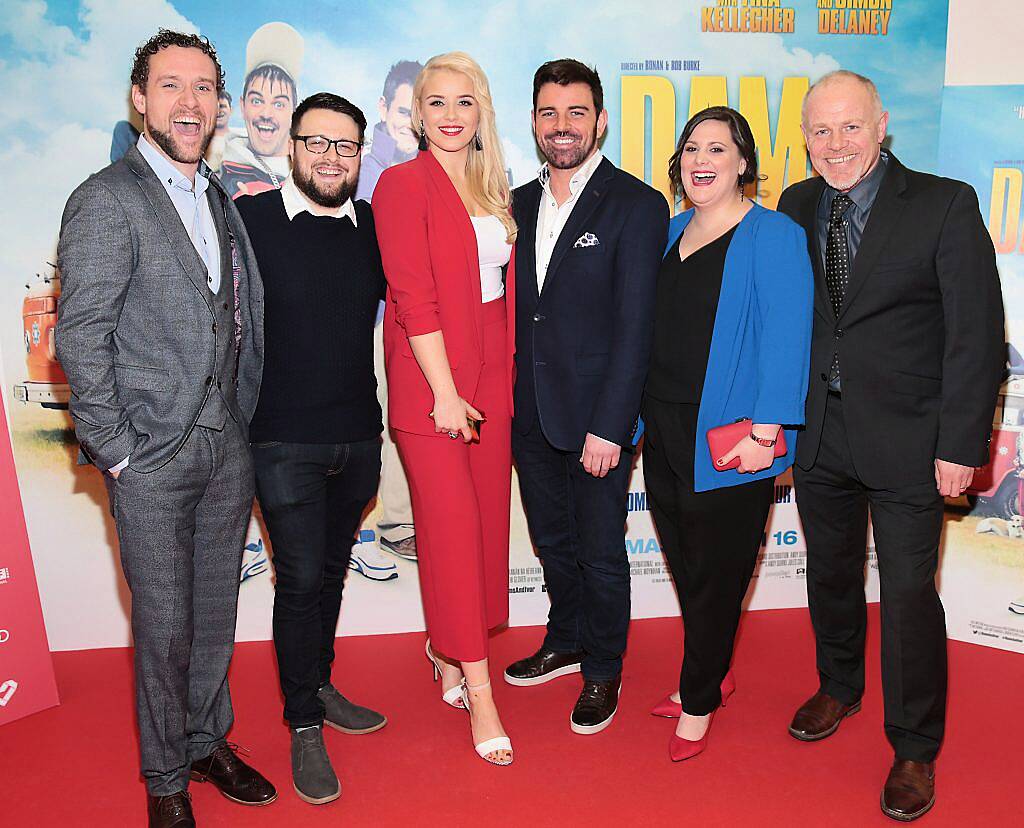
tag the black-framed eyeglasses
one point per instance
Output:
(318, 145)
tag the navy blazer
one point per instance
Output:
(761, 343)
(583, 343)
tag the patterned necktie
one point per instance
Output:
(837, 252)
(837, 267)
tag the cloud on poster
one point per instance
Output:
(65, 92)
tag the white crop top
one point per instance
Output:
(494, 252)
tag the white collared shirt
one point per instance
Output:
(295, 202)
(551, 217)
(192, 205)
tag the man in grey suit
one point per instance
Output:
(160, 333)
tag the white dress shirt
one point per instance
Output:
(295, 202)
(192, 205)
(551, 217)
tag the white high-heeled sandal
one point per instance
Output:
(488, 746)
(453, 695)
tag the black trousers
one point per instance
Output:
(907, 523)
(578, 524)
(312, 497)
(710, 540)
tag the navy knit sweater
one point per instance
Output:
(323, 281)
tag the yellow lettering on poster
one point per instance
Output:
(758, 16)
(854, 17)
(1004, 210)
(636, 91)
(783, 161)
(705, 91)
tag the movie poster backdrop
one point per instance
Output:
(67, 64)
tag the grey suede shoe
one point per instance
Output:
(314, 778)
(343, 715)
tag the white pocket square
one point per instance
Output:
(587, 240)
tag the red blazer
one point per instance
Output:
(429, 250)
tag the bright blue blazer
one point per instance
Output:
(761, 343)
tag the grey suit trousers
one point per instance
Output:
(181, 530)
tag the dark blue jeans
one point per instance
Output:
(312, 497)
(578, 525)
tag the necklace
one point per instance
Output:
(274, 177)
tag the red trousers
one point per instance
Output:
(460, 501)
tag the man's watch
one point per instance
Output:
(763, 441)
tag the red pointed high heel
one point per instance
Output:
(673, 709)
(680, 748)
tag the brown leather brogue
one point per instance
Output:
(233, 777)
(172, 811)
(820, 716)
(909, 790)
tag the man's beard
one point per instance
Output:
(842, 185)
(325, 198)
(570, 157)
(169, 144)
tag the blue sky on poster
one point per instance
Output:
(65, 64)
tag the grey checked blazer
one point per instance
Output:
(135, 331)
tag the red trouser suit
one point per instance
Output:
(460, 493)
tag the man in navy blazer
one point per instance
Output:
(588, 251)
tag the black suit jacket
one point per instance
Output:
(919, 334)
(583, 343)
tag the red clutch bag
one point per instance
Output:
(722, 440)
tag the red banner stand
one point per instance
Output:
(27, 683)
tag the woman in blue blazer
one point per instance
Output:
(731, 341)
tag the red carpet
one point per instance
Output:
(76, 765)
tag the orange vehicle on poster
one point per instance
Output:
(46, 383)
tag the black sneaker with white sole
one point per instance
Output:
(543, 666)
(596, 706)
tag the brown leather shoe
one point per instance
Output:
(909, 791)
(233, 778)
(820, 716)
(172, 811)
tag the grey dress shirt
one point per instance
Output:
(854, 220)
(863, 197)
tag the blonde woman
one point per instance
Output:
(446, 236)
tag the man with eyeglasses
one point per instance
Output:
(315, 435)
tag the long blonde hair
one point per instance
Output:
(485, 169)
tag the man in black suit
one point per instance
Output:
(906, 359)
(589, 246)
